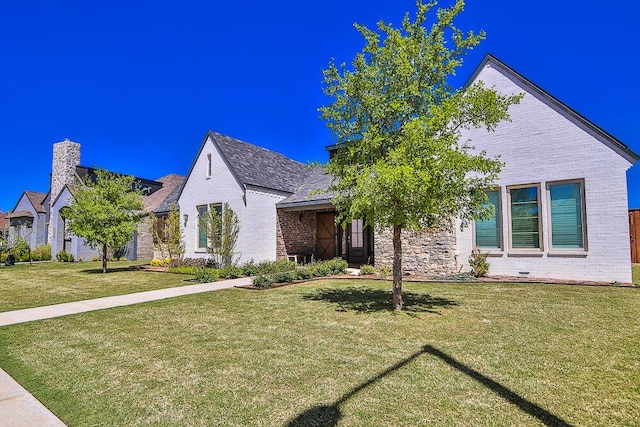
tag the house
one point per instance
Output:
(28, 220)
(560, 204)
(251, 179)
(39, 217)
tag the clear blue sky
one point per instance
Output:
(138, 83)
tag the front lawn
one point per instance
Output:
(26, 286)
(331, 352)
(635, 271)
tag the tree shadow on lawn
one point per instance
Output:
(330, 415)
(110, 270)
(367, 300)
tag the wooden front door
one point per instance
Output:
(325, 236)
(357, 243)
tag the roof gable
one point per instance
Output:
(252, 165)
(36, 200)
(259, 166)
(612, 142)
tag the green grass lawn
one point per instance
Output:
(331, 352)
(635, 271)
(26, 286)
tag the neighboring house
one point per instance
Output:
(4, 226)
(157, 204)
(251, 180)
(39, 217)
(29, 219)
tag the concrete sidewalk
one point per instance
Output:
(58, 310)
(18, 407)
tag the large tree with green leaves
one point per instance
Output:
(397, 122)
(105, 212)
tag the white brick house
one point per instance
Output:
(561, 199)
(251, 180)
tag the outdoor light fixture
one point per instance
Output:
(186, 218)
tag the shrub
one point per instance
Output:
(193, 262)
(262, 281)
(249, 268)
(320, 269)
(285, 277)
(478, 263)
(20, 250)
(41, 253)
(158, 262)
(367, 270)
(386, 271)
(271, 267)
(206, 275)
(304, 273)
(63, 256)
(230, 272)
(337, 266)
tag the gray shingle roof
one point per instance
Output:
(257, 166)
(172, 196)
(317, 182)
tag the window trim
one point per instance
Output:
(500, 249)
(585, 244)
(541, 233)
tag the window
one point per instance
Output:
(202, 229)
(203, 238)
(566, 209)
(208, 166)
(488, 235)
(524, 205)
(357, 236)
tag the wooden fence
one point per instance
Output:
(634, 234)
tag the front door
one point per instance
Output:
(325, 236)
(357, 242)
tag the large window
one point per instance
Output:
(524, 205)
(566, 208)
(488, 234)
(202, 227)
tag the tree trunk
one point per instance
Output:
(104, 258)
(397, 267)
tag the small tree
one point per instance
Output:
(167, 234)
(222, 227)
(105, 212)
(397, 124)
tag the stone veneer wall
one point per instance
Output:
(145, 247)
(296, 232)
(424, 254)
(66, 156)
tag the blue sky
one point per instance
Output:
(138, 83)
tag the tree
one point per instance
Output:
(167, 235)
(397, 124)
(222, 228)
(105, 212)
